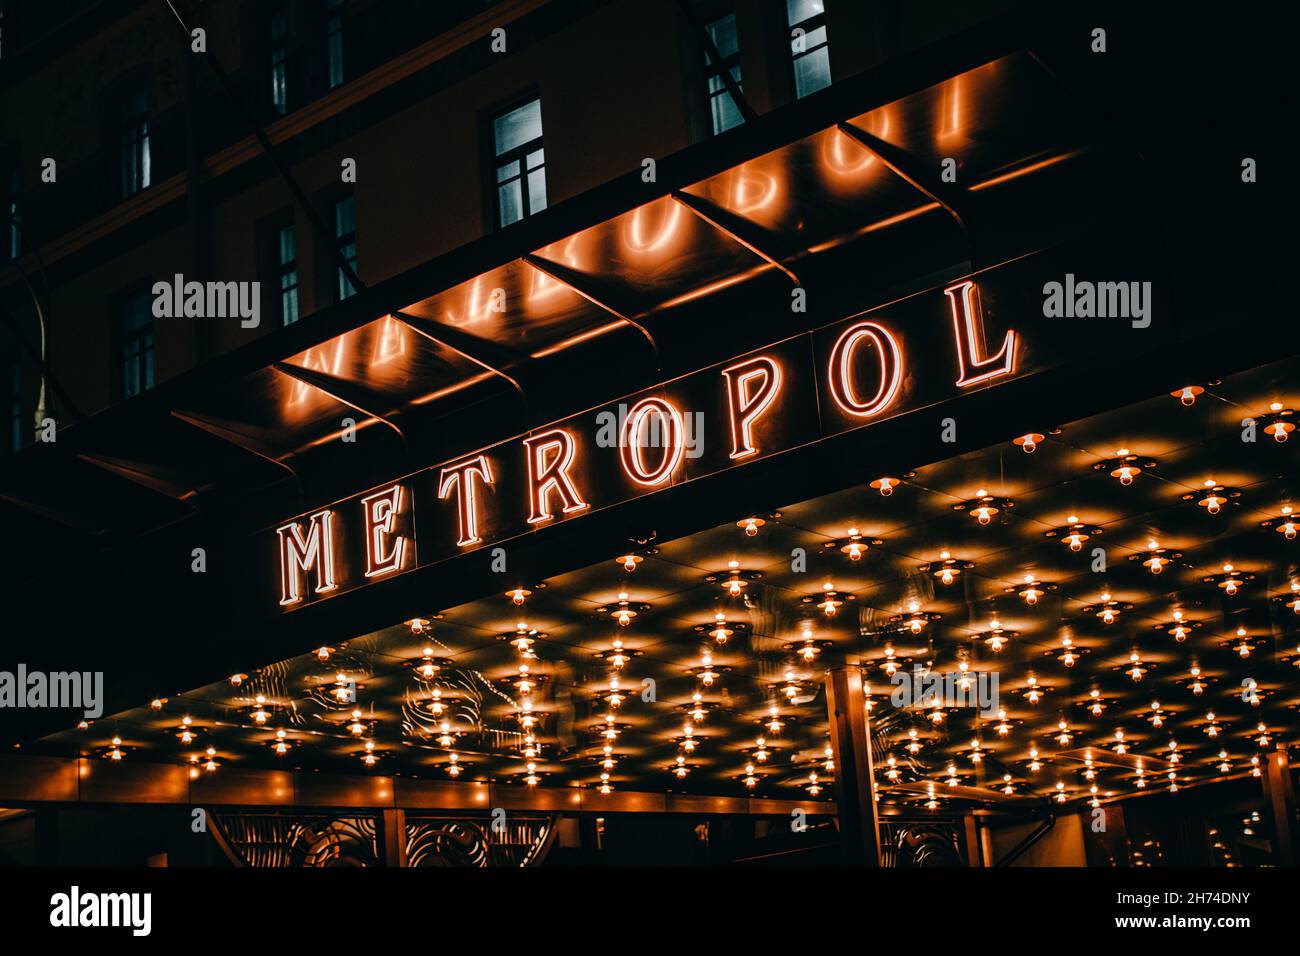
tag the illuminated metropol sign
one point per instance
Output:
(921, 350)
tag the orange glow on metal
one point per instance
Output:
(389, 341)
(836, 158)
(300, 556)
(752, 386)
(550, 455)
(968, 326)
(643, 236)
(380, 512)
(890, 354)
(326, 358)
(752, 190)
(460, 478)
(667, 425)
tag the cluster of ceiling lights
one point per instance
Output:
(734, 581)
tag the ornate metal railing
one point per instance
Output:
(268, 839)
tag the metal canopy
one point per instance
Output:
(1098, 684)
(576, 306)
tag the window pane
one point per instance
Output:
(145, 175)
(535, 158)
(812, 72)
(279, 95)
(518, 127)
(536, 191)
(288, 250)
(508, 171)
(509, 203)
(137, 314)
(336, 59)
(344, 218)
(723, 107)
(345, 287)
(289, 303)
(334, 42)
(798, 11)
(723, 33)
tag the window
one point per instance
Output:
(722, 108)
(135, 140)
(277, 267)
(345, 235)
(17, 429)
(278, 26)
(135, 343)
(287, 274)
(333, 43)
(811, 56)
(519, 163)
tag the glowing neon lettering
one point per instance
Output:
(300, 556)
(550, 455)
(380, 512)
(751, 387)
(841, 368)
(968, 326)
(667, 422)
(460, 478)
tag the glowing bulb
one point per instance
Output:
(885, 486)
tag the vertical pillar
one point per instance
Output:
(971, 835)
(394, 838)
(855, 783)
(1279, 804)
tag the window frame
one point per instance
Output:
(121, 338)
(808, 25)
(133, 137)
(272, 270)
(711, 70)
(341, 242)
(335, 22)
(277, 45)
(493, 161)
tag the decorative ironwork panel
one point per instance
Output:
(478, 840)
(906, 843)
(297, 840)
